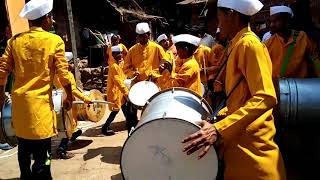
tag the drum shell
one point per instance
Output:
(171, 102)
(299, 102)
(7, 134)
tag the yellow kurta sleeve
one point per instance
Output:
(119, 81)
(254, 64)
(128, 67)
(75, 91)
(188, 76)
(61, 64)
(6, 64)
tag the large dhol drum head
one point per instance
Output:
(141, 92)
(154, 149)
(7, 133)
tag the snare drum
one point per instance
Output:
(167, 118)
(141, 92)
(7, 133)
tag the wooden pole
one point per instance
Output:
(73, 44)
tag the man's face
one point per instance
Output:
(277, 23)
(117, 56)
(225, 23)
(143, 38)
(165, 44)
(114, 40)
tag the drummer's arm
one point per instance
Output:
(183, 76)
(76, 92)
(119, 82)
(6, 66)
(61, 66)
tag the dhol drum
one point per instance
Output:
(141, 92)
(154, 149)
(92, 112)
(7, 133)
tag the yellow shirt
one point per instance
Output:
(34, 57)
(145, 59)
(188, 76)
(109, 52)
(248, 130)
(217, 57)
(202, 55)
(298, 63)
(116, 88)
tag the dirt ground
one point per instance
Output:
(96, 156)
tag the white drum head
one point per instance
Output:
(141, 92)
(154, 151)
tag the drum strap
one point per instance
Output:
(289, 53)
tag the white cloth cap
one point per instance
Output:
(246, 7)
(266, 36)
(186, 38)
(35, 9)
(116, 49)
(142, 28)
(69, 55)
(280, 9)
(162, 37)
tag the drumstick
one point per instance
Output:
(94, 101)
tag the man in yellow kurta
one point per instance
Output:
(188, 75)
(245, 134)
(143, 59)
(115, 41)
(35, 57)
(117, 93)
(291, 51)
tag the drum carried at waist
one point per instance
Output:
(140, 93)
(92, 112)
(168, 117)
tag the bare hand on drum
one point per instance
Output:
(205, 137)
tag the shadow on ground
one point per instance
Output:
(96, 131)
(19, 178)
(110, 155)
(117, 177)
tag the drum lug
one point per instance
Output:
(164, 115)
(131, 131)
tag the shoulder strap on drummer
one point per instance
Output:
(289, 53)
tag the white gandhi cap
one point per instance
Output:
(116, 49)
(280, 9)
(246, 7)
(187, 38)
(142, 28)
(162, 37)
(35, 9)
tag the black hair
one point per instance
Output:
(38, 22)
(191, 48)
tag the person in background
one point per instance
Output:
(117, 93)
(188, 75)
(243, 131)
(115, 41)
(172, 47)
(291, 51)
(35, 57)
(163, 41)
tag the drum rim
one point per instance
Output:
(126, 141)
(140, 82)
(177, 88)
